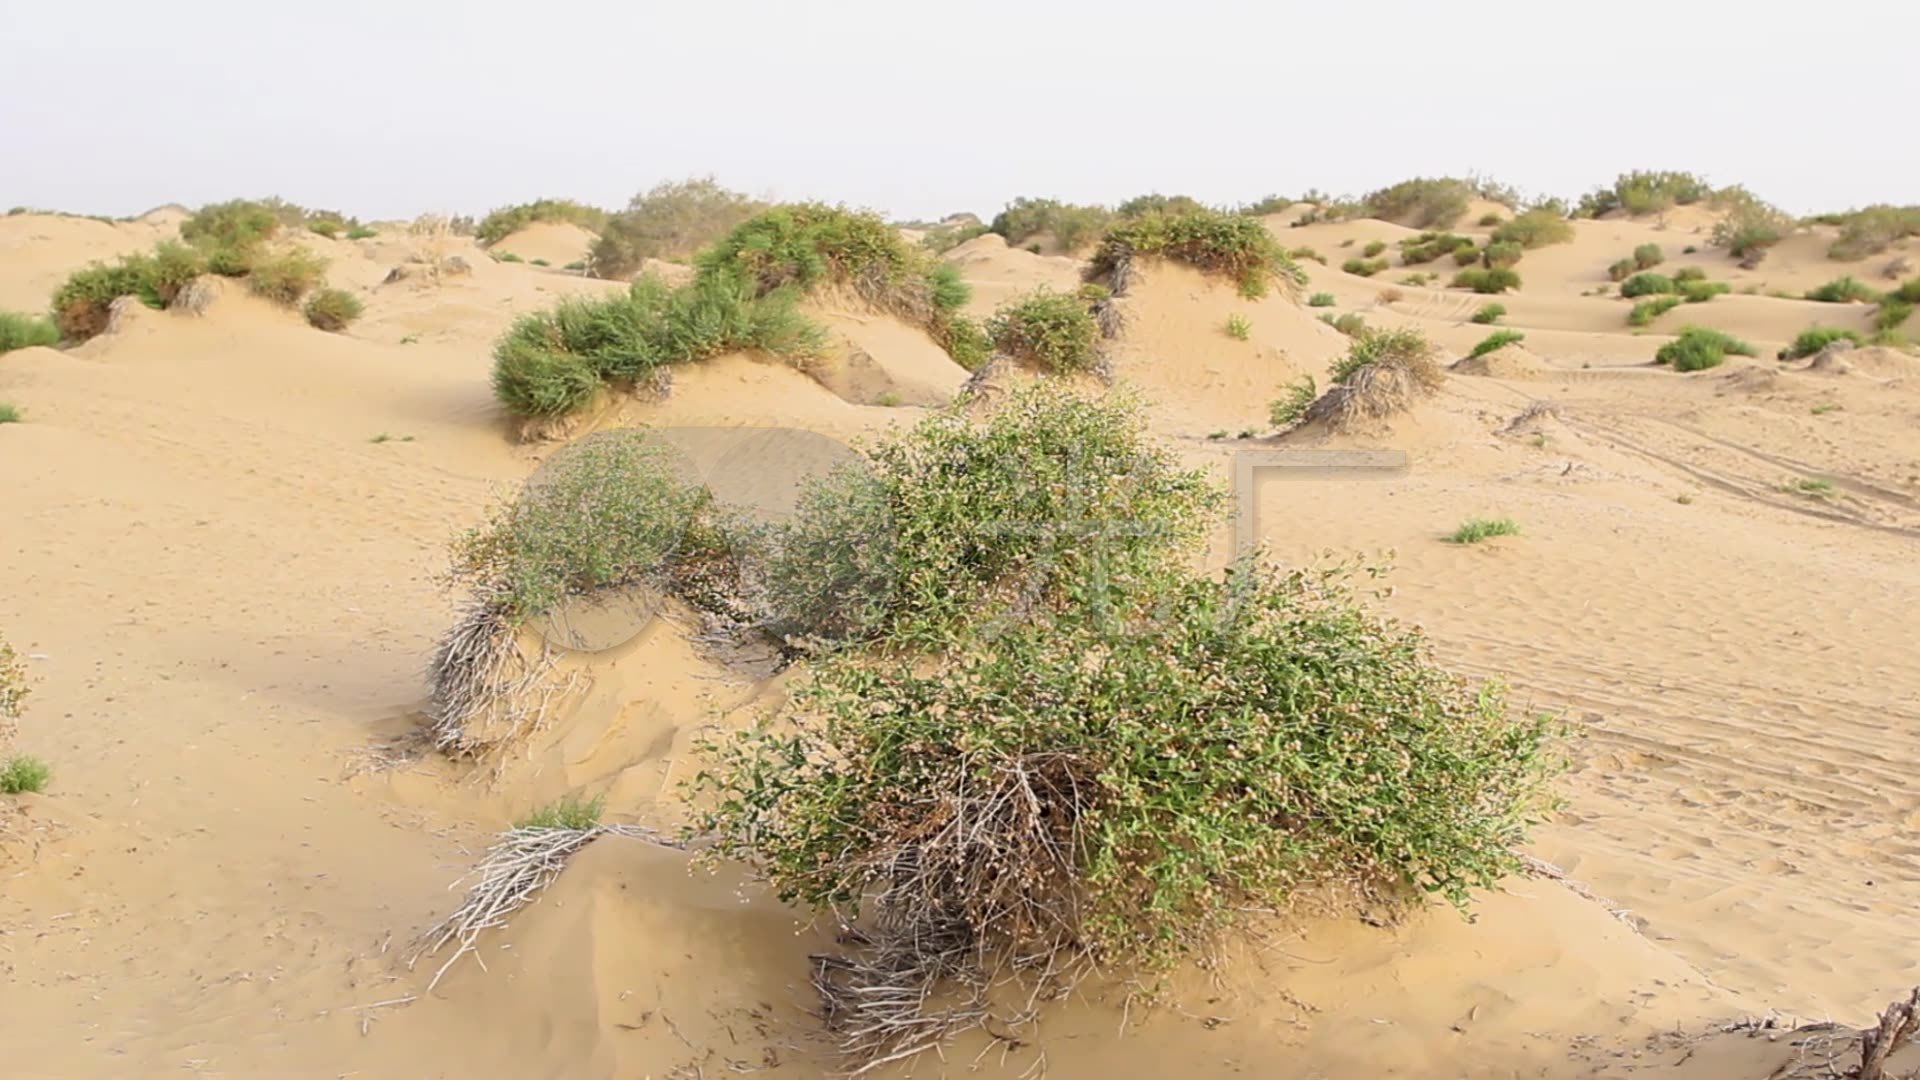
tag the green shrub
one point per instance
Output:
(1054, 332)
(1622, 269)
(1699, 292)
(360, 232)
(23, 774)
(1320, 299)
(1489, 313)
(1501, 254)
(83, 303)
(1159, 204)
(1429, 246)
(1296, 254)
(572, 813)
(1647, 284)
(1499, 339)
(1646, 311)
(1271, 204)
(532, 379)
(1648, 256)
(1893, 313)
(25, 332)
(1642, 193)
(1486, 280)
(1908, 293)
(506, 257)
(1363, 267)
(1373, 249)
(1488, 221)
(1350, 324)
(236, 225)
(1466, 256)
(507, 220)
(1238, 327)
(13, 684)
(1698, 348)
(168, 271)
(9, 413)
(1227, 245)
(1420, 203)
(1749, 230)
(671, 220)
(1291, 409)
(1070, 226)
(286, 276)
(332, 310)
(967, 342)
(1404, 347)
(1815, 338)
(1474, 530)
(1535, 228)
(1845, 290)
(1688, 273)
(944, 238)
(1874, 230)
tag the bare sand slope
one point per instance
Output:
(555, 242)
(38, 251)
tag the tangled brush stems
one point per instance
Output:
(485, 689)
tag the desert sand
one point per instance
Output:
(221, 541)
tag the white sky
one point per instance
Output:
(391, 108)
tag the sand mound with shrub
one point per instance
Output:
(1506, 362)
(999, 273)
(558, 243)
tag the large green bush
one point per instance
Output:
(1698, 348)
(25, 332)
(501, 223)
(1421, 203)
(669, 221)
(1815, 338)
(1069, 225)
(1054, 332)
(1227, 245)
(1646, 284)
(1535, 228)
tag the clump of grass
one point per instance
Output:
(1873, 230)
(1699, 292)
(1648, 256)
(1350, 323)
(1501, 254)
(1488, 221)
(1815, 338)
(14, 690)
(538, 262)
(1291, 408)
(1485, 280)
(25, 332)
(1474, 530)
(9, 413)
(671, 220)
(1641, 193)
(1296, 254)
(1533, 229)
(507, 220)
(1647, 284)
(1824, 408)
(1499, 339)
(1699, 348)
(24, 774)
(1646, 311)
(1814, 487)
(1238, 328)
(1622, 269)
(332, 310)
(361, 232)
(1404, 349)
(1688, 273)
(1374, 248)
(286, 276)
(1320, 299)
(506, 257)
(571, 812)
(1490, 314)
(1428, 246)
(1227, 245)
(1420, 203)
(1845, 290)
(384, 437)
(1892, 313)
(1070, 226)
(1363, 267)
(1054, 332)
(1416, 280)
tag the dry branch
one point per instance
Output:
(1896, 1028)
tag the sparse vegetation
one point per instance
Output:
(1069, 226)
(507, 257)
(1373, 249)
(23, 774)
(1646, 311)
(1815, 338)
(1750, 229)
(1485, 280)
(1873, 230)
(1647, 284)
(1699, 292)
(1320, 299)
(1054, 332)
(571, 812)
(1824, 408)
(332, 310)
(1291, 408)
(83, 304)
(238, 225)
(671, 220)
(285, 276)
(1429, 246)
(1350, 324)
(25, 332)
(1417, 280)
(1813, 487)
(1363, 267)
(1156, 203)
(1845, 290)
(1421, 203)
(1474, 530)
(504, 222)
(9, 413)
(1490, 314)
(1499, 339)
(360, 232)
(14, 690)
(1535, 228)
(1296, 254)
(1699, 348)
(1239, 248)
(1643, 193)
(1892, 313)
(1501, 254)
(1488, 221)
(1238, 328)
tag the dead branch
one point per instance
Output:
(1896, 1028)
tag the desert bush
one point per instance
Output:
(1363, 267)
(1815, 338)
(1406, 348)
(1907, 293)
(1699, 292)
(1474, 530)
(811, 244)
(1643, 193)
(1489, 313)
(668, 221)
(1501, 254)
(1296, 254)
(1420, 203)
(944, 238)
(82, 304)
(24, 774)
(1320, 299)
(505, 221)
(1417, 280)
(570, 812)
(9, 413)
(967, 342)
(1373, 249)
(1488, 221)
(1749, 229)
(1226, 245)
(1156, 203)
(507, 257)
(1429, 246)
(25, 332)
(1487, 280)
(285, 276)
(236, 225)
(1238, 327)
(1622, 269)
(1055, 332)
(1688, 273)
(1845, 290)
(332, 310)
(1069, 225)
(1647, 284)
(1466, 256)
(1646, 311)
(1893, 313)
(1874, 230)
(1350, 324)
(1499, 339)
(1648, 256)
(1292, 408)
(1535, 228)
(1270, 204)
(165, 273)
(1698, 348)
(360, 232)
(14, 690)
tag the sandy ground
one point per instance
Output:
(223, 577)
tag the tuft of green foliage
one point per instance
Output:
(1688, 273)
(1270, 204)
(1499, 339)
(1373, 249)
(1908, 293)
(1292, 408)
(235, 225)
(25, 332)
(1350, 324)
(1157, 203)
(572, 813)
(1815, 338)
(1474, 530)
(1646, 311)
(1055, 332)
(1069, 225)
(1873, 230)
(1648, 256)
(1403, 347)
(1363, 267)
(1420, 203)
(1296, 254)
(1647, 284)
(332, 310)
(1535, 228)
(1428, 246)
(1699, 348)
(1320, 299)
(23, 774)
(507, 257)
(1893, 313)
(1227, 245)
(1238, 327)
(507, 220)
(1488, 221)
(1487, 280)
(83, 303)
(360, 232)
(1489, 314)
(1699, 292)
(1642, 193)
(1501, 254)
(1622, 269)
(9, 413)
(286, 276)
(671, 220)
(1845, 290)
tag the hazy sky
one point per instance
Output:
(392, 108)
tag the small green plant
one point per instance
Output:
(1813, 487)
(1699, 348)
(1844, 290)
(1296, 254)
(410, 339)
(1404, 349)
(1815, 338)
(1535, 228)
(1689, 273)
(1485, 280)
(577, 266)
(1488, 221)
(1054, 332)
(1416, 280)
(1622, 269)
(1374, 248)
(1699, 292)
(1350, 324)
(1684, 499)
(1646, 311)
(1824, 408)
(1364, 267)
(506, 257)
(26, 332)
(1892, 313)
(361, 232)
(24, 774)
(1466, 256)
(1646, 284)
(286, 276)
(1220, 434)
(1320, 299)
(538, 262)
(1490, 314)
(332, 310)
(1648, 256)
(1290, 409)
(1689, 250)
(1474, 530)
(572, 812)
(1238, 328)
(1499, 339)
(383, 437)
(9, 413)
